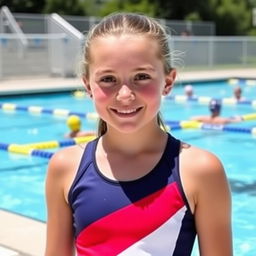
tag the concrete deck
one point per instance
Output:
(21, 236)
(27, 85)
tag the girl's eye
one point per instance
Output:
(108, 79)
(140, 77)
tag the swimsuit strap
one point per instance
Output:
(85, 161)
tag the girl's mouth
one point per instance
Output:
(126, 112)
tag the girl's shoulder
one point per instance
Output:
(66, 160)
(199, 162)
(62, 168)
(201, 173)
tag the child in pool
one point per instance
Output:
(215, 115)
(74, 124)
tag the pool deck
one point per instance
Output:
(40, 85)
(21, 236)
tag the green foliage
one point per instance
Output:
(177, 10)
(251, 3)
(252, 32)
(193, 16)
(68, 7)
(232, 17)
(141, 6)
(110, 7)
(91, 7)
(24, 6)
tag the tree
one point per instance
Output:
(177, 10)
(70, 7)
(232, 17)
(24, 6)
(91, 7)
(141, 6)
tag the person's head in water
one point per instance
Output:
(74, 123)
(215, 107)
(237, 92)
(188, 89)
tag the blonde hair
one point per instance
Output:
(128, 23)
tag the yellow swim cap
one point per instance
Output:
(74, 123)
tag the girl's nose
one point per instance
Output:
(125, 94)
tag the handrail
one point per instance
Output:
(66, 27)
(72, 44)
(14, 27)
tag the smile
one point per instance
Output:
(127, 112)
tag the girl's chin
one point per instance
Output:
(126, 129)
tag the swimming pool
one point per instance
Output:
(22, 177)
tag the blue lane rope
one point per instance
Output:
(236, 81)
(41, 153)
(27, 151)
(206, 100)
(245, 117)
(38, 149)
(42, 110)
(178, 125)
(61, 143)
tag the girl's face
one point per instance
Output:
(126, 80)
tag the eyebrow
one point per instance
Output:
(144, 68)
(107, 71)
(102, 72)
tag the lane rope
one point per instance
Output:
(42, 110)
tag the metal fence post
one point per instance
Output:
(211, 51)
(244, 52)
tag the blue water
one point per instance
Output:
(22, 177)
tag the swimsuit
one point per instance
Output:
(147, 216)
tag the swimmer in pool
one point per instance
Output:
(214, 117)
(189, 91)
(74, 124)
(237, 92)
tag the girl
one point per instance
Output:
(135, 190)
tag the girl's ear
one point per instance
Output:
(169, 81)
(87, 86)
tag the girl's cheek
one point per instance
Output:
(101, 95)
(151, 91)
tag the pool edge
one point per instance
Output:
(22, 234)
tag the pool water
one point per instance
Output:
(22, 177)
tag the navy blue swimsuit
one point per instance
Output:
(148, 216)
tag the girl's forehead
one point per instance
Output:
(125, 43)
(122, 38)
(125, 52)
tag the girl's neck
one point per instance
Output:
(133, 143)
